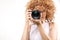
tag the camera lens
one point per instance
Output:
(35, 14)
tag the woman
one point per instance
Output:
(43, 28)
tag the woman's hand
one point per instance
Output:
(27, 27)
(28, 19)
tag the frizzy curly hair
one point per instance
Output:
(43, 5)
(46, 6)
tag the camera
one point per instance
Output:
(36, 14)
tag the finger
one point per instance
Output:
(28, 14)
(29, 10)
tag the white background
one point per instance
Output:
(12, 18)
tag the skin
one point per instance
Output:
(52, 32)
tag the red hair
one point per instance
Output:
(44, 5)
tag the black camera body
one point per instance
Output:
(36, 14)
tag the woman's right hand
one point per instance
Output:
(25, 35)
(27, 22)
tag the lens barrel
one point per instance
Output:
(36, 14)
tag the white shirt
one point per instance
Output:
(34, 32)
